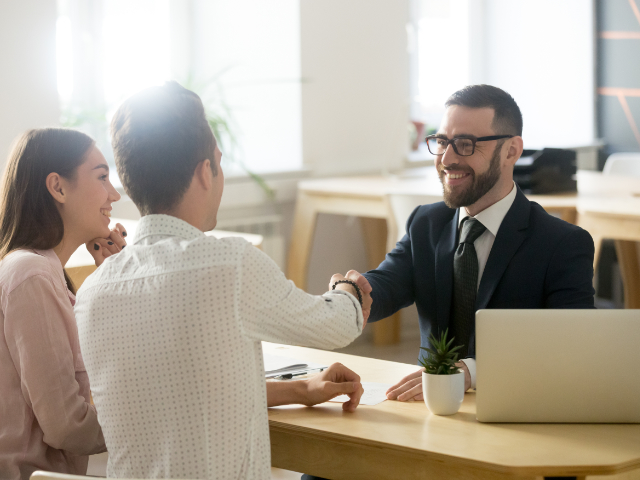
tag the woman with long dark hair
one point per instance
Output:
(56, 196)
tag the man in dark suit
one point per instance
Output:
(486, 245)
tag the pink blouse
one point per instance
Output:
(46, 419)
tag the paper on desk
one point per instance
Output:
(374, 393)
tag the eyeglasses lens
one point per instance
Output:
(463, 146)
(436, 146)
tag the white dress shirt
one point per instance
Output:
(170, 331)
(491, 218)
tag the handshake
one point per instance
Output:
(363, 285)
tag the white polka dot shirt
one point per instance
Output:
(170, 332)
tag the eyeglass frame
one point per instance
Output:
(473, 139)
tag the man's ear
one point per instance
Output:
(514, 150)
(55, 187)
(203, 174)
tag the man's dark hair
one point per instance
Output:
(159, 136)
(507, 119)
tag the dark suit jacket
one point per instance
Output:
(537, 261)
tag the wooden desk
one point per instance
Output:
(365, 197)
(395, 440)
(616, 218)
(81, 263)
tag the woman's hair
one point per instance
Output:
(29, 217)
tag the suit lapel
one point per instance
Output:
(512, 232)
(444, 269)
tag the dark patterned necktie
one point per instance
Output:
(465, 284)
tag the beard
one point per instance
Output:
(480, 184)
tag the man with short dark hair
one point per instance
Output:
(171, 327)
(486, 245)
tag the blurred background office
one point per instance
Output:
(304, 89)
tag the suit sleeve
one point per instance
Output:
(392, 282)
(569, 280)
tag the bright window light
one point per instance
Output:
(443, 56)
(136, 47)
(111, 49)
(64, 52)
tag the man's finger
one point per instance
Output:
(360, 280)
(354, 399)
(338, 373)
(397, 392)
(342, 388)
(406, 379)
(412, 394)
(334, 279)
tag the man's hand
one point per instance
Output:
(363, 284)
(467, 376)
(409, 388)
(335, 380)
(101, 248)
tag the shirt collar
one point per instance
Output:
(492, 216)
(166, 226)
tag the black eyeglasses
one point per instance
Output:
(463, 146)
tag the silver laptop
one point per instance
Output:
(562, 366)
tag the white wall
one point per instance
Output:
(355, 91)
(28, 93)
(543, 53)
(257, 45)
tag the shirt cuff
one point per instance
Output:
(356, 303)
(471, 365)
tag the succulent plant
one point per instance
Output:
(441, 356)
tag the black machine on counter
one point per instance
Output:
(550, 170)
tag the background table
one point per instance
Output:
(365, 197)
(395, 440)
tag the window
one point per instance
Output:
(242, 58)
(441, 55)
(540, 52)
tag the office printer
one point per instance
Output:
(550, 170)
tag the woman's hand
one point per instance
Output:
(101, 248)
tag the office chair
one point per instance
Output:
(402, 204)
(628, 253)
(622, 163)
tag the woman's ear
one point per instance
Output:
(54, 185)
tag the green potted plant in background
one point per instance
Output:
(222, 121)
(442, 380)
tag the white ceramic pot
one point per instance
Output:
(443, 394)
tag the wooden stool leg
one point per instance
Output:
(374, 230)
(627, 253)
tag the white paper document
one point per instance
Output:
(374, 393)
